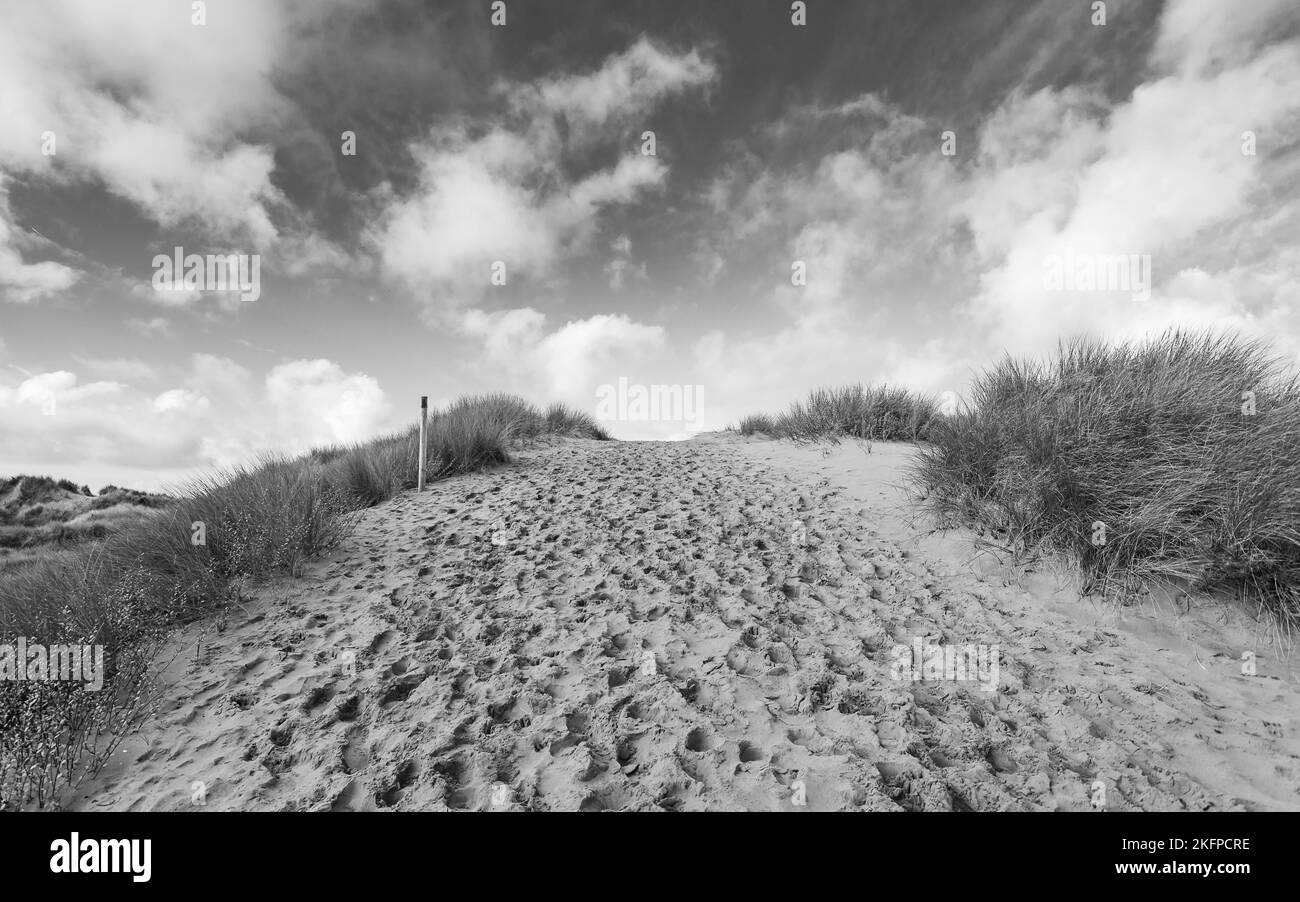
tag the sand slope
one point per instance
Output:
(621, 626)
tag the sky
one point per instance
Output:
(442, 204)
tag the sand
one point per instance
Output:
(644, 626)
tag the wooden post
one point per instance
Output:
(424, 417)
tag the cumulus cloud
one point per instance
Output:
(861, 222)
(51, 391)
(474, 210)
(316, 402)
(1154, 175)
(220, 378)
(569, 362)
(510, 193)
(179, 399)
(175, 118)
(128, 94)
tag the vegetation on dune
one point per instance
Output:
(1185, 449)
(882, 413)
(569, 421)
(38, 513)
(1174, 460)
(194, 555)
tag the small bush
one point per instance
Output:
(364, 479)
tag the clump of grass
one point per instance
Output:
(1156, 441)
(364, 475)
(882, 413)
(193, 556)
(477, 432)
(560, 419)
(757, 424)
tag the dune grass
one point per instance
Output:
(1156, 441)
(566, 420)
(224, 532)
(882, 413)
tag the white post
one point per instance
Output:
(424, 416)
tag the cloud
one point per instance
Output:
(621, 268)
(870, 225)
(907, 249)
(569, 362)
(517, 192)
(174, 295)
(220, 378)
(150, 105)
(224, 415)
(471, 210)
(620, 271)
(317, 402)
(1202, 36)
(22, 282)
(179, 399)
(1157, 175)
(919, 266)
(51, 391)
(119, 369)
(474, 209)
(628, 85)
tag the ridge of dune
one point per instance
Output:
(710, 624)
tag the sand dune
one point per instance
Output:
(39, 515)
(709, 624)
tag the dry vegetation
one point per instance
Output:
(883, 413)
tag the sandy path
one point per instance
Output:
(641, 626)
